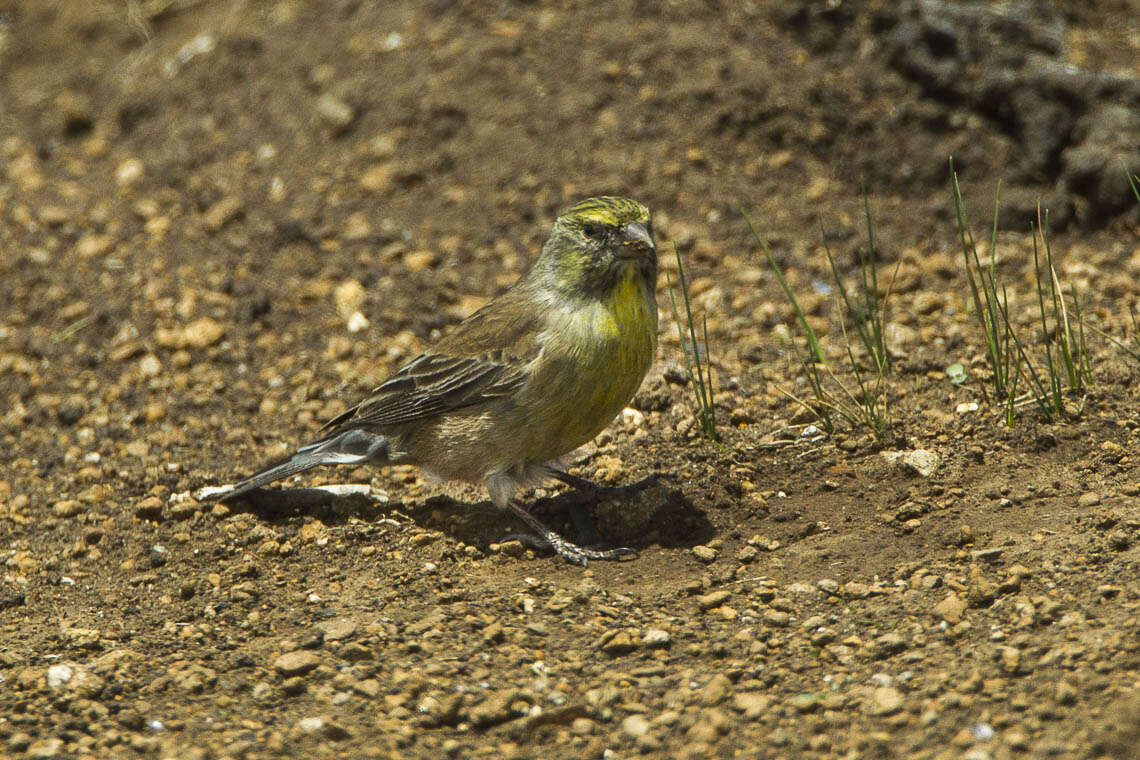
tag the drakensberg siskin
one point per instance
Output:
(524, 380)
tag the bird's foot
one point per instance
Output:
(571, 552)
(548, 539)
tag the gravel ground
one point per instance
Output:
(225, 221)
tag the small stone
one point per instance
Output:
(418, 261)
(777, 618)
(379, 178)
(635, 726)
(615, 643)
(198, 334)
(704, 553)
(149, 508)
(67, 508)
(296, 663)
(1088, 499)
(747, 554)
(1017, 739)
(335, 112)
(357, 322)
(129, 172)
(828, 586)
(917, 462)
(369, 687)
(1066, 693)
(46, 748)
(981, 591)
(58, 675)
(716, 690)
(348, 297)
(713, 599)
(1011, 661)
(339, 629)
(885, 700)
(987, 555)
(951, 608)
(493, 710)
(886, 645)
(71, 410)
(752, 704)
(222, 213)
(805, 703)
(512, 548)
(656, 638)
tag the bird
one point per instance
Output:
(529, 377)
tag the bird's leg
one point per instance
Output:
(579, 555)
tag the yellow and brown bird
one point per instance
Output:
(529, 377)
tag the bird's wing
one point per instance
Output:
(487, 356)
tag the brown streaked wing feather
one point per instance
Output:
(485, 357)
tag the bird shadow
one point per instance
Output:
(639, 515)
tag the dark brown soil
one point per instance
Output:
(196, 199)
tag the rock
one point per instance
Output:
(222, 213)
(656, 638)
(886, 645)
(752, 704)
(72, 409)
(805, 703)
(198, 334)
(296, 663)
(418, 261)
(1088, 499)
(616, 643)
(149, 508)
(883, 701)
(335, 112)
(493, 710)
(339, 629)
(917, 462)
(320, 726)
(777, 618)
(951, 608)
(635, 726)
(981, 591)
(713, 599)
(67, 508)
(357, 322)
(716, 690)
(704, 553)
(59, 675)
(348, 297)
(1011, 662)
(378, 178)
(46, 748)
(1066, 693)
(129, 172)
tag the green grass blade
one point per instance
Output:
(813, 340)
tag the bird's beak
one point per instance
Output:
(637, 239)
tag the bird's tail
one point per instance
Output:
(349, 447)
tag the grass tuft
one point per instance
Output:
(866, 406)
(696, 361)
(1066, 362)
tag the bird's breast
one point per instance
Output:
(593, 360)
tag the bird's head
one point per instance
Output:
(596, 243)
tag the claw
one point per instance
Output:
(568, 550)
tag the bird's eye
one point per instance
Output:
(593, 230)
